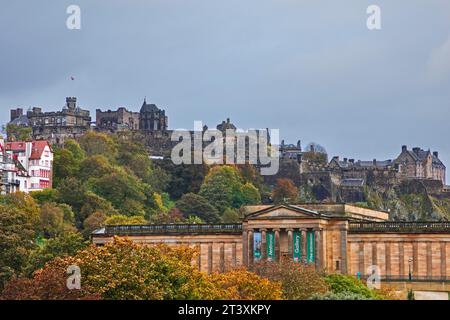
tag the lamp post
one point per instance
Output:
(410, 260)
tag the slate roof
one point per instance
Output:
(21, 121)
(149, 107)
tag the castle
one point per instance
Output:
(70, 122)
(336, 180)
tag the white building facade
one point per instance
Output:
(26, 166)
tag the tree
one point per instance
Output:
(126, 192)
(299, 282)
(285, 191)
(231, 216)
(16, 241)
(66, 244)
(66, 163)
(124, 220)
(94, 203)
(46, 195)
(18, 133)
(55, 220)
(222, 187)
(124, 270)
(96, 143)
(192, 204)
(72, 192)
(250, 194)
(94, 221)
(94, 167)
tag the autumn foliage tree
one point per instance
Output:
(125, 270)
(285, 191)
(299, 281)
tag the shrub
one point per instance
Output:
(298, 281)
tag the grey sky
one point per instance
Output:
(310, 68)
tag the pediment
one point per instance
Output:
(282, 211)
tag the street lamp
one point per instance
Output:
(410, 260)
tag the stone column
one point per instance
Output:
(290, 244)
(374, 254)
(303, 234)
(263, 244)
(277, 244)
(429, 260)
(387, 259)
(401, 257)
(245, 248)
(361, 258)
(233, 255)
(250, 247)
(443, 260)
(222, 257)
(199, 257)
(318, 249)
(415, 259)
(210, 257)
(344, 264)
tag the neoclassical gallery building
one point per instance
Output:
(335, 237)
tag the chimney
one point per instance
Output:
(336, 158)
(345, 160)
(436, 154)
(404, 148)
(299, 145)
(16, 113)
(351, 160)
(71, 102)
(416, 150)
(374, 162)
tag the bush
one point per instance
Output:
(298, 281)
(344, 295)
(343, 284)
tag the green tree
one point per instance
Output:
(46, 195)
(18, 133)
(119, 219)
(94, 167)
(126, 192)
(55, 220)
(96, 143)
(192, 204)
(95, 221)
(222, 187)
(250, 194)
(66, 244)
(72, 192)
(231, 216)
(17, 233)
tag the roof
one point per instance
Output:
(38, 148)
(420, 155)
(149, 107)
(18, 146)
(20, 121)
(363, 164)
